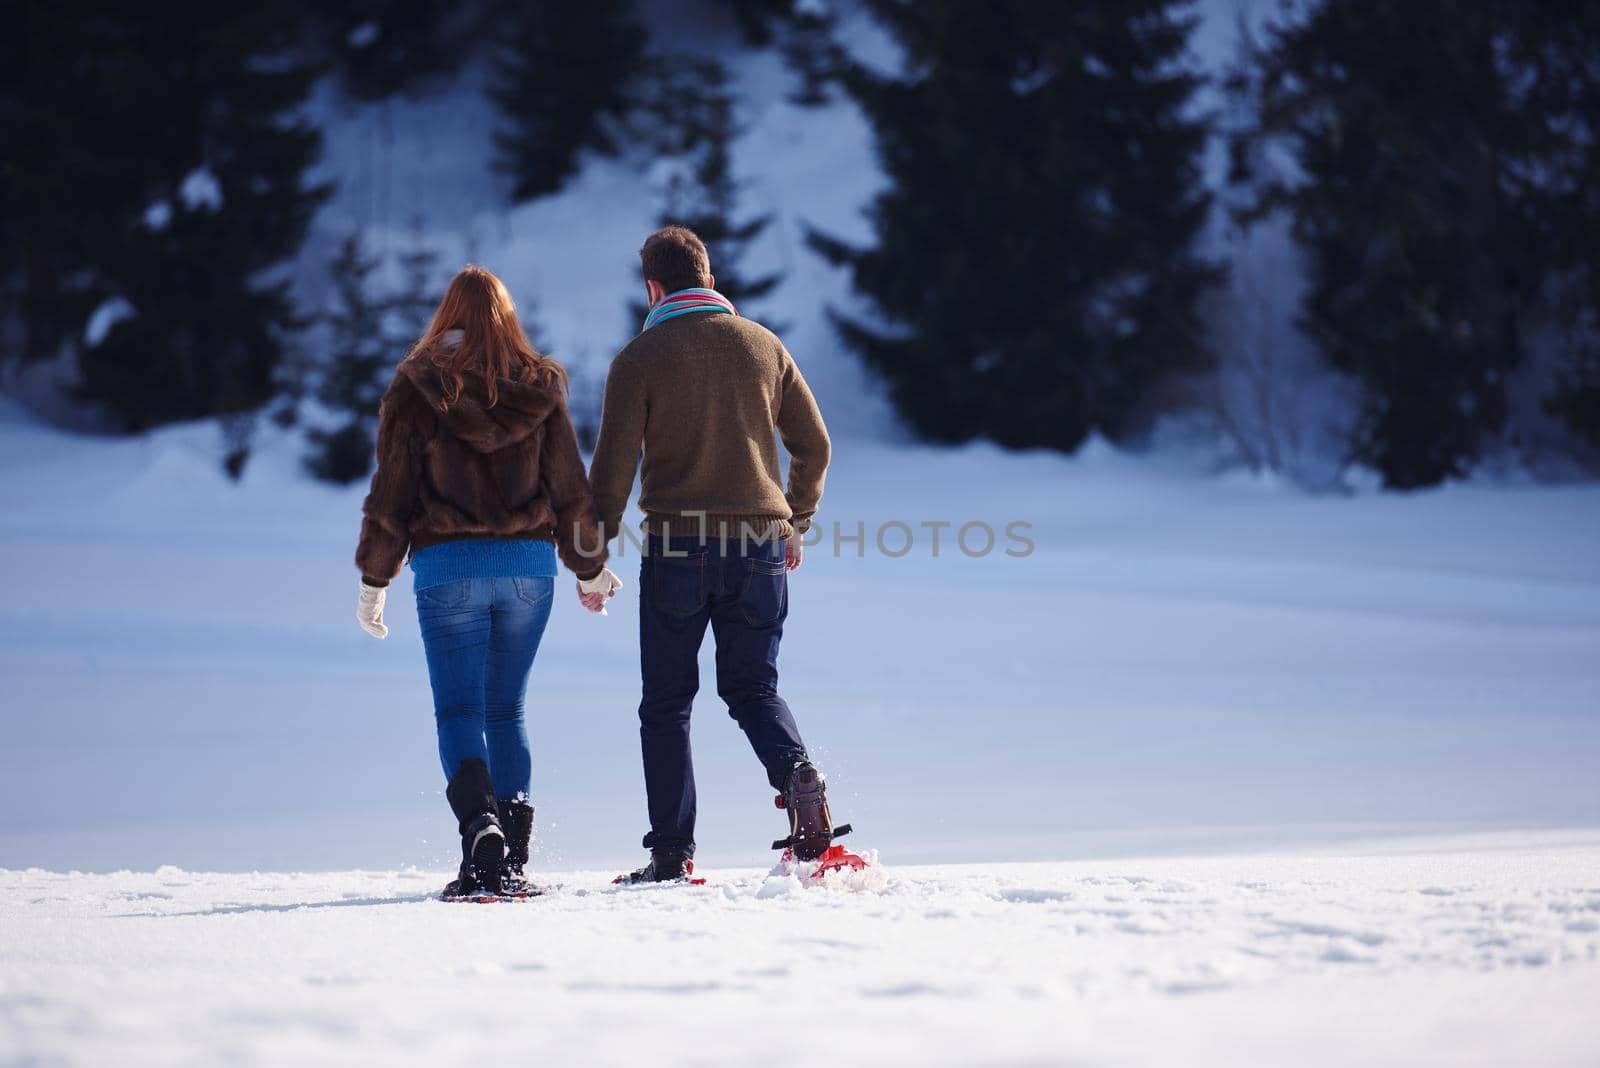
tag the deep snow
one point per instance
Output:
(1480, 951)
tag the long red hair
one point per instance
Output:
(493, 345)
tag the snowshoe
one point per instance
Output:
(663, 868)
(453, 892)
(465, 887)
(811, 830)
(832, 859)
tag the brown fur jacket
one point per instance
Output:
(508, 471)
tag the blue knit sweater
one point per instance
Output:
(470, 558)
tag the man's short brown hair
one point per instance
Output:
(677, 258)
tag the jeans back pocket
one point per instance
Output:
(677, 584)
(445, 594)
(534, 591)
(766, 591)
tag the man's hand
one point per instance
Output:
(793, 551)
(595, 592)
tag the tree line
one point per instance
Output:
(1041, 266)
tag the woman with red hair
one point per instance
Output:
(480, 480)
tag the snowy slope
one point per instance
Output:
(423, 165)
(419, 166)
(1477, 951)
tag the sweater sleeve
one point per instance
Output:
(616, 454)
(578, 538)
(806, 438)
(386, 513)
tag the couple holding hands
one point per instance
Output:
(481, 482)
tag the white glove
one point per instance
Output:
(369, 610)
(603, 585)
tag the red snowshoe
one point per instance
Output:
(834, 858)
(811, 829)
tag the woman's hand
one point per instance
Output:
(595, 592)
(369, 610)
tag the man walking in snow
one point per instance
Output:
(700, 393)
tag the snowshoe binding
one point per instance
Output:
(805, 799)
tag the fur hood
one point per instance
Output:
(511, 470)
(519, 410)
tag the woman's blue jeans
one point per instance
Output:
(481, 636)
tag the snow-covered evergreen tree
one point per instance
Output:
(370, 330)
(1035, 266)
(563, 79)
(409, 309)
(803, 31)
(695, 121)
(383, 47)
(353, 379)
(162, 190)
(1447, 175)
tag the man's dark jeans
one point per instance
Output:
(742, 591)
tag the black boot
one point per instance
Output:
(516, 819)
(805, 798)
(483, 844)
(665, 866)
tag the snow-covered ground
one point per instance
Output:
(1186, 661)
(1188, 664)
(1478, 951)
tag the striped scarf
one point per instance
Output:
(685, 301)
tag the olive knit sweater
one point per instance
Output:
(700, 396)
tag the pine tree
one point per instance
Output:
(1557, 46)
(759, 21)
(169, 185)
(1034, 265)
(586, 389)
(369, 331)
(563, 78)
(68, 73)
(808, 45)
(409, 310)
(383, 47)
(1574, 396)
(1441, 157)
(803, 31)
(353, 378)
(693, 105)
(1575, 399)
